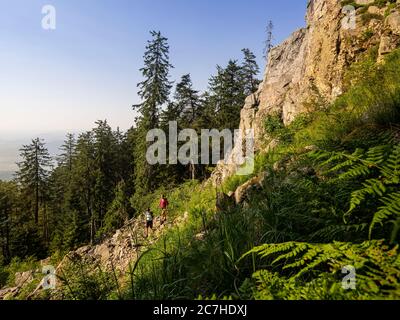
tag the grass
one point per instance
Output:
(294, 205)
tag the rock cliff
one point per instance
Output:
(311, 64)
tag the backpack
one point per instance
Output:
(149, 216)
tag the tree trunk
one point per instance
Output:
(6, 244)
(37, 187)
(193, 170)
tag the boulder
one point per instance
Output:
(393, 22)
(242, 192)
(23, 277)
(386, 46)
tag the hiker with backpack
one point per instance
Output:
(164, 207)
(149, 221)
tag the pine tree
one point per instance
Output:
(270, 38)
(104, 169)
(250, 71)
(33, 174)
(82, 193)
(228, 95)
(187, 100)
(155, 88)
(154, 92)
(68, 149)
(7, 205)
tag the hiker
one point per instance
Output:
(164, 207)
(149, 221)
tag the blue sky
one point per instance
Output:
(87, 69)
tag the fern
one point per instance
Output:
(377, 271)
(391, 207)
(331, 232)
(391, 169)
(379, 169)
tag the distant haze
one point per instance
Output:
(9, 150)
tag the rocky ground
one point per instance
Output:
(114, 254)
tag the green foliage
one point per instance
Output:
(274, 124)
(351, 3)
(154, 92)
(4, 274)
(367, 34)
(82, 280)
(319, 266)
(378, 173)
(18, 265)
(383, 3)
(367, 17)
(250, 70)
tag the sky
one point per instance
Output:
(63, 80)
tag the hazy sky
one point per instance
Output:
(87, 69)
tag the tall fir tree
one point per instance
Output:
(187, 101)
(33, 173)
(105, 155)
(82, 197)
(68, 149)
(250, 70)
(7, 206)
(228, 94)
(154, 92)
(268, 44)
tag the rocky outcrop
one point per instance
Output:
(309, 66)
(113, 255)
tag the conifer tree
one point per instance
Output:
(68, 149)
(187, 100)
(227, 90)
(33, 173)
(7, 205)
(250, 71)
(154, 92)
(268, 45)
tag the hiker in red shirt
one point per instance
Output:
(164, 206)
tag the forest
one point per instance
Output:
(101, 178)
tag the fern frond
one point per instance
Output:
(377, 154)
(270, 249)
(391, 169)
(371, 187)
(358, 170)
(373, 261)
(299, 248)
(391, 208)
(333, 231)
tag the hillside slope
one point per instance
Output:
(326, 119)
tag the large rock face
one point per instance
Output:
(311, 64)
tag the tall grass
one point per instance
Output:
(295, 204)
